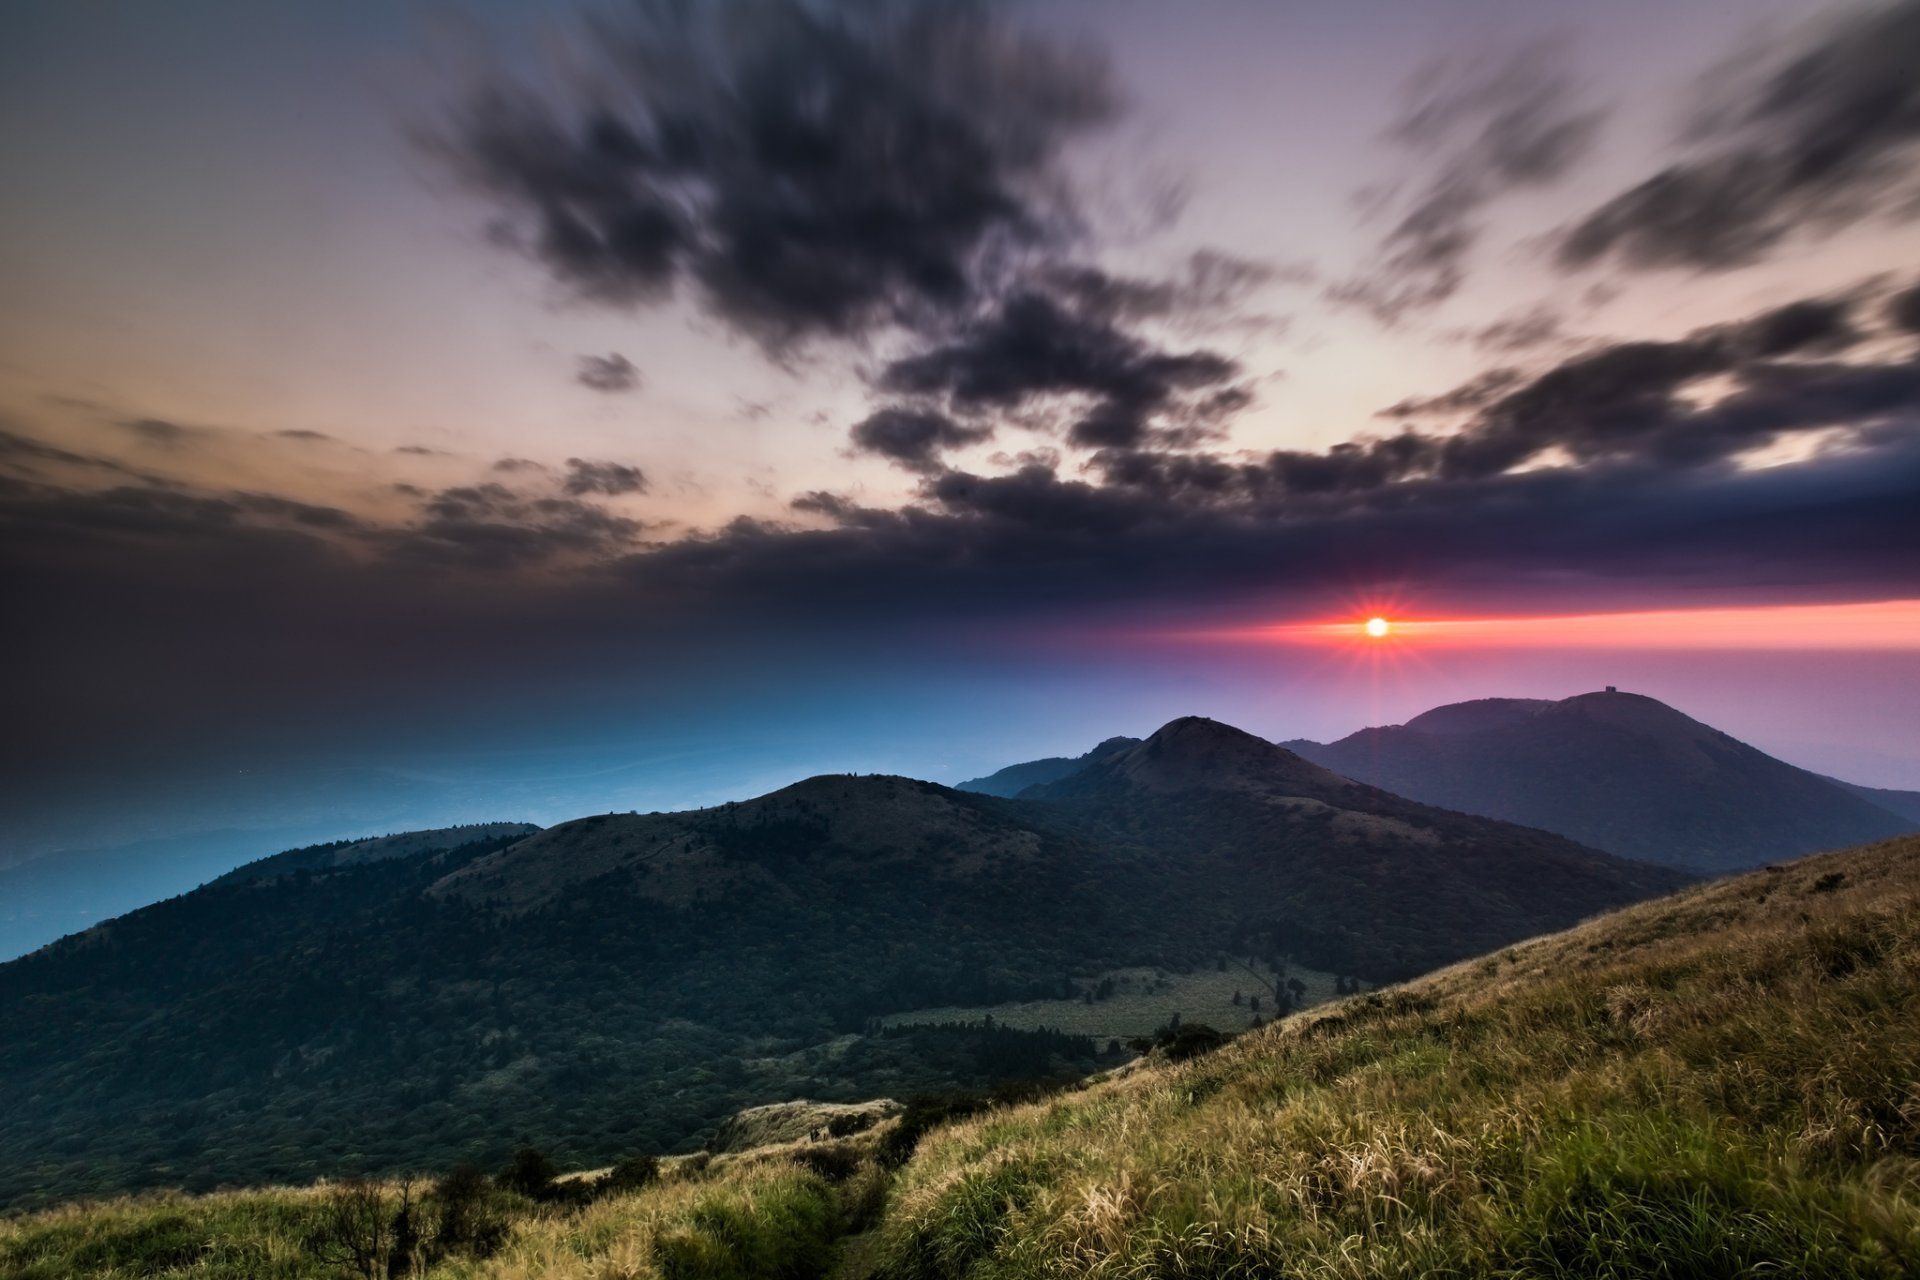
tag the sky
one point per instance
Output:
(460, 411)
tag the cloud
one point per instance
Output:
(1535, 327)
(159, 430)
(1817, 137)
(1493, 124)
(611, 478)
(1036, 346)
(512, 466)
(913, 438)
(611, 373)
(302, 435)
(810, 170)
(489, 526)
(1648, 400)
(1903, 309)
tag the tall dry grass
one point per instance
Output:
(1723, 1083)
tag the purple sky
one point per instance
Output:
(824, 385)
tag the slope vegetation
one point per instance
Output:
(1716, 1084)
(1720, 1083)
(629, 980)
(1342, 876)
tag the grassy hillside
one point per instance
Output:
(1717, 1084)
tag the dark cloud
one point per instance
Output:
(303, 435)
(512, 466)
(1814, 326)
(1481, 128)
(1210, 291)
(1480, 391)
(1535, 327)
(913, 438)
(586, 476)
(611, 373)
(1648, 400)
(420, 450)
(813, 170)
(1903, 309)
(20, 450)
(1036, 346)
(490, 526)
(1816, 138)
(159, 430)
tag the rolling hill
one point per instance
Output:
(628, 980)
(1015, 778)
(1717, 1083)
(1616, 771)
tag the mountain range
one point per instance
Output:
(1620, 772)
(627, 981)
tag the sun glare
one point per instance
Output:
(1377, 627)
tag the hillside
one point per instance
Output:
(1015, 778)
(1718, 1083)
(632, 979)
(1343, 876)
(1616, 771)
(1905, 804)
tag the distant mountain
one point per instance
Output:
(1904, 803)
(1617, 771)
(57, 893)
(349, 853)
(1344, 875)
(628, 981)
(1015, 778)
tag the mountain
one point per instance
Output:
(1015, 778)
(1905, 804)
(627, 981)
(350, 853)
(1616, 771)
(1717, 1083)
(1342, 875)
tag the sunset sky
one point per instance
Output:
(441, 411)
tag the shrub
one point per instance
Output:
(530, 1173)
(632, 1173)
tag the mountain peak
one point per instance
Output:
(1196, 753)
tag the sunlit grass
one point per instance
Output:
(1720, 1084)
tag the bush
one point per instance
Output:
(632, 1173)
(530, 1173)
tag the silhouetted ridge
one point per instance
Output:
(1615, 770)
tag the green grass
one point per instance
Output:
(1724, 1083)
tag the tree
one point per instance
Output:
(530, 1173)
(353, 1231)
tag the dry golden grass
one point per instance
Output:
(1720, 1083)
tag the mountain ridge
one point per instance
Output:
(1614, 770)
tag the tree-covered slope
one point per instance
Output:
(1343, 876)
(629, 980)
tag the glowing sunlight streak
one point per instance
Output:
(1882, 625)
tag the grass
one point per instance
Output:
(1723, 1083)
(1717, 1084)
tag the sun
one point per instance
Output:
(1377, 627)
